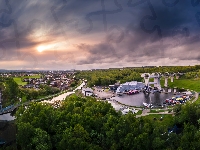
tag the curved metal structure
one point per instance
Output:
(156, 76)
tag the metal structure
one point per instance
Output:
(172, 76)
(156, 76)
(156, 82)
(177, 75)
(166, 76)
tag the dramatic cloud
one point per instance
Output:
(90, 34)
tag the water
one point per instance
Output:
(138, 99)
(7, 117)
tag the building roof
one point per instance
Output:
(87, 89)
(130, 86)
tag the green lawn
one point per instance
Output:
(192, 84)
(156, 110)
(197, 101)
(18, 80)
(167, 119)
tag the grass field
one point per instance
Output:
(197, 101)
(19, 81)
(192, 84)
(166, 119)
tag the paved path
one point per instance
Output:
(196, 97)
(63, 96)
(147, 112)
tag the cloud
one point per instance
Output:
(98, 34)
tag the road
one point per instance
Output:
(63, 96)
(196, 97)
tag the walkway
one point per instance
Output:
(63, 96)
(196, 97)
(146, 112)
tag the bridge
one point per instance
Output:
(11, 108)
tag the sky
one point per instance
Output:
(95, 34)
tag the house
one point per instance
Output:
(87, 91)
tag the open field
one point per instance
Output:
(19, 81)
(167, 119)
(192, 84)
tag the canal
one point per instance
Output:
(138, 99)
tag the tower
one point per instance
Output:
(146, 77)
(177, 75)
(172, 77)
(166, 76)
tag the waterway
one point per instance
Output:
(7, 117)
(138, 99)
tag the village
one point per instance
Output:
(59, 79)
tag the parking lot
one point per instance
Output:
(103, 93)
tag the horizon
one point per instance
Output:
(28, 70)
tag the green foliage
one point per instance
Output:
(107, 77)
(84, 123)
(44, 90)
(111, 76)
(10, 92)
(192, 84)
(19, 81)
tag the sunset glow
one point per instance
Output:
(40, 49)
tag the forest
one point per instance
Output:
(105, 77)
(84, 123)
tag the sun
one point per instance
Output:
(40, 48)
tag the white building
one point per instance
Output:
(87, 91)
(133, 85)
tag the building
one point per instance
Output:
(114, 87)
(87, 91)
(133, 85)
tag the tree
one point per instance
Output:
(41, 140)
